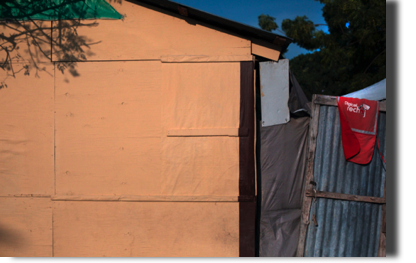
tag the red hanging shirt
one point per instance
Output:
(358, 119)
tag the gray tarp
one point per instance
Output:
(282, 170)
(376, 91)
(283, 149)
(298, 103)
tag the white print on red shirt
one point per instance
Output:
(353, 107)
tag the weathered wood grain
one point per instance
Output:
(313, 132)
(382, 249)
(332, 101)
(339, 196)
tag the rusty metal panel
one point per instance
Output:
(344, 228)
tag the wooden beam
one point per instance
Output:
(332, 101)
(306, 206)
(265, 52)
(183, 11)
(383, 223)
(382, 249)
(326, 100)
(247, 173)
(347, 197)
(382, 245)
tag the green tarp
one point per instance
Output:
(56, 10)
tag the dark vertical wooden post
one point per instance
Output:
(382, 243)
(313, 132)
(247, 201)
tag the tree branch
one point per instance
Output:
(374, 60)
(40, 36)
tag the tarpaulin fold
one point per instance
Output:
(298, 103)
(283, 163)
(282, 167)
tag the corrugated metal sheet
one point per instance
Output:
(345, 228)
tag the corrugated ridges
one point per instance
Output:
(345, 228)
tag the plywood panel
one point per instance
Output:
(200, 166)
(108, 129)
(148, 34)
(26, 133)
(265, 52)
(201, 96)
(32, 41)
(146, 229)
(112, 122)
(25, 227)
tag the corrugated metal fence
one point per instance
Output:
(344, 228)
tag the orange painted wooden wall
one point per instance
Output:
(135, 155)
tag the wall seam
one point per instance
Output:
(54, 154)
(54, 129)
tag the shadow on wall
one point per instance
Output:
(10, 238)
(27, 40)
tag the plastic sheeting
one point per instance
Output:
(298, 103)
(58, 9)
(283, 149)
(376, 91)
(282, 169)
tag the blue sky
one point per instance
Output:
(247, 11)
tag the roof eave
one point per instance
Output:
(245, 31)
